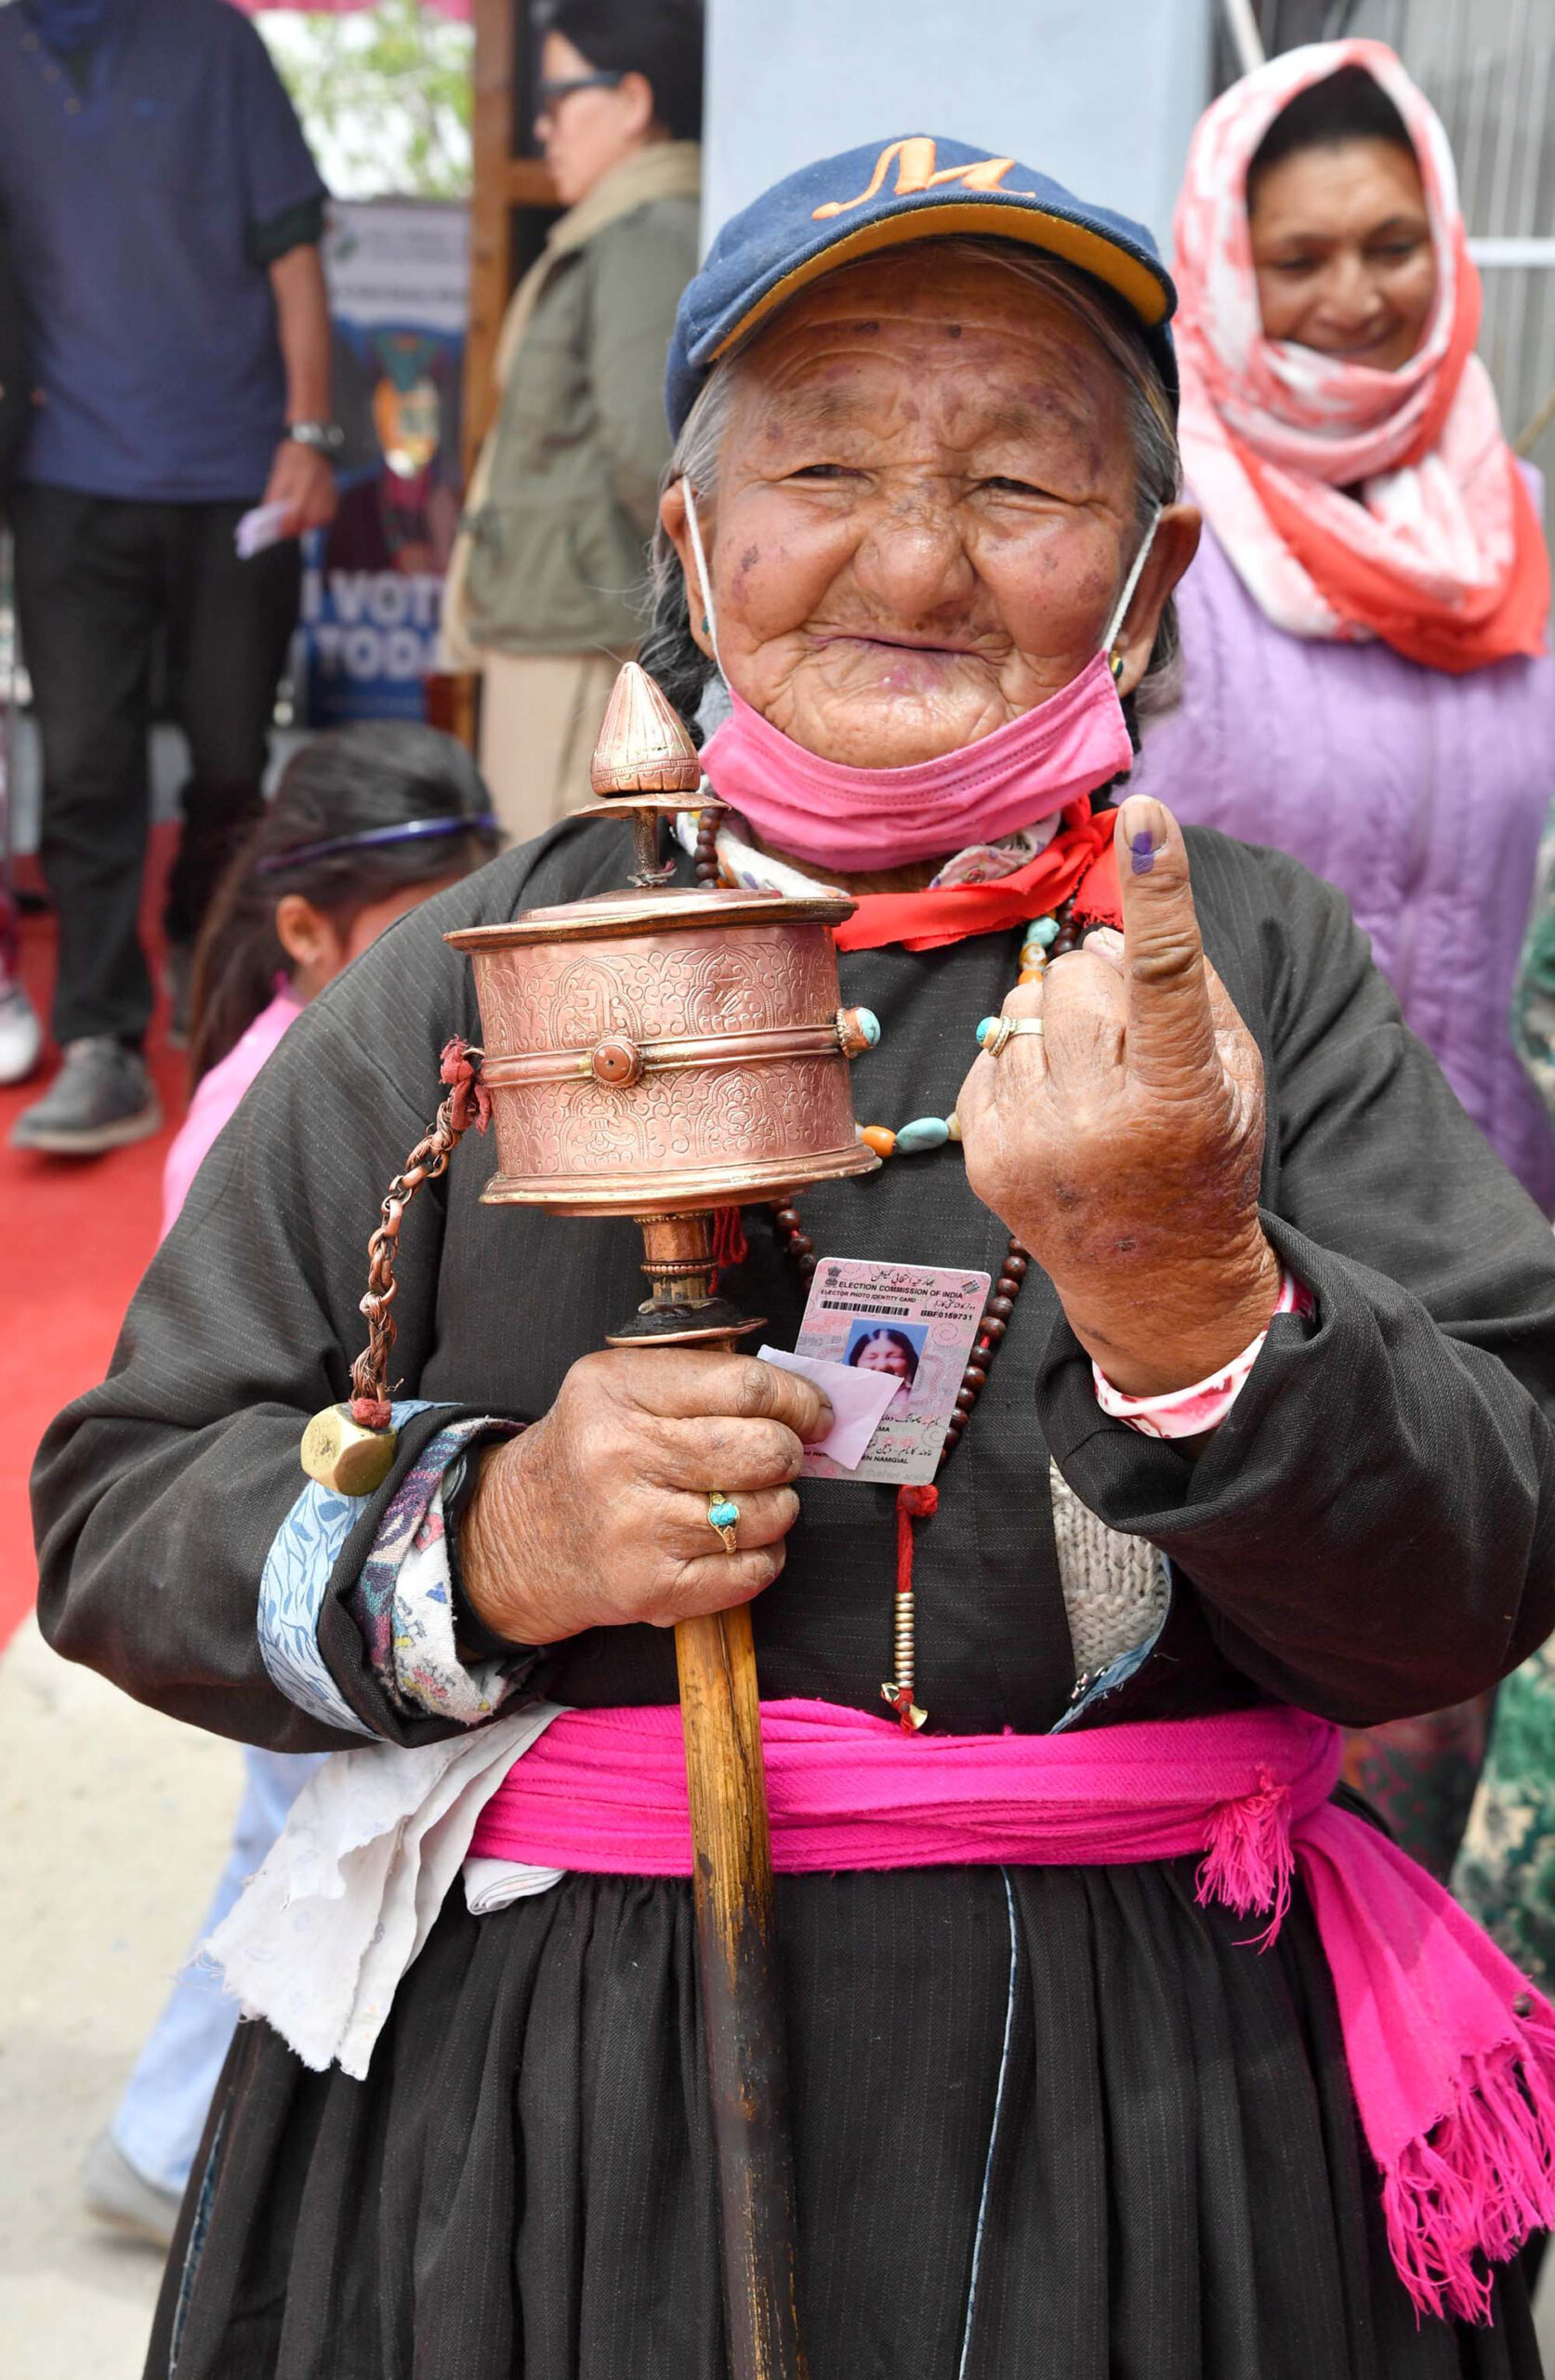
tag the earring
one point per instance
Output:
(707, 625)
(1114, 663)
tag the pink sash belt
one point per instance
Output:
(1451, 2052)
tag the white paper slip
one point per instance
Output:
(265, 525)
(858, 1400)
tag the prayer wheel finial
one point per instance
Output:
(643, 748)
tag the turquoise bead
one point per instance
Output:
(924, 1133)
(989, 1025)
(1044, 932)
(868, 1024)
(723, 1514)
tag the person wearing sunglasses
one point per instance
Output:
(546, 592)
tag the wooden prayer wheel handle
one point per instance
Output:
(732, 1877)
(741, 2011)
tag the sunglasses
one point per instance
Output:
(549, 96)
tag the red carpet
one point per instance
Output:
(75, 1237)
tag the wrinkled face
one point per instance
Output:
(586, 133)
(924, 512)
(1341, 248)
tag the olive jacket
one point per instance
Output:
(553, 554)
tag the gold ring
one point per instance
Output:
(723, 1518)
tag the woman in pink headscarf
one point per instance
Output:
(1367, 678)
(1366, 674)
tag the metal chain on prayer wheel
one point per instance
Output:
(665, 1053)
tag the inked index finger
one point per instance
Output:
(1171, 1024)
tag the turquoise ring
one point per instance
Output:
(723, 1518)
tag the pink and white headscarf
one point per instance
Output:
(1441, 555)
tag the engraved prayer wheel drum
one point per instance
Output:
(652, 1051)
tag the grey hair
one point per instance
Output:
(672, 655)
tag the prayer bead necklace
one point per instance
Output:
(1044, 938)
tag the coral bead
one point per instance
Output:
(876, 1137)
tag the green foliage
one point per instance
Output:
(384, 95)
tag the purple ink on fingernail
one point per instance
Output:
(1143, 848)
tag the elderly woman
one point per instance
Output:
(1264, 1305)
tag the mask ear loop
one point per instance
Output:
(708, 620)
(1120, 609)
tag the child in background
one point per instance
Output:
(367, 821)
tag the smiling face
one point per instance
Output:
(924, 510)
(882, 1354)
(1342, 252)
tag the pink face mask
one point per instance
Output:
(833, 815)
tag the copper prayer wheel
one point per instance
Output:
(649, 1052)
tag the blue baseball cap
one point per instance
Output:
(881, 196)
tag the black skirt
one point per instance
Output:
(1056, 2123)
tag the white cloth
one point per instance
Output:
(491, 1885)
(349, 1892)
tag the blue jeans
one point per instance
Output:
(162, 2114)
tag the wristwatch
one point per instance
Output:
(323, 437)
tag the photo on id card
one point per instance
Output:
(914, 1323)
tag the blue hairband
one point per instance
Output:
(414, 830)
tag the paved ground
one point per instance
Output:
(114, 1822)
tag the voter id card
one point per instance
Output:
(914, 1322)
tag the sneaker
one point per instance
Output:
(120, 2194)
(101, 1099)
(21, 1034)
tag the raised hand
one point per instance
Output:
(597, 1514)
(1123, 1145)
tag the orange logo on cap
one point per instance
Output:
(915, 171)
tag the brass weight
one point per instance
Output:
(345, 1456)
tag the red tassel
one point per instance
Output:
(730, 1244)
(911, 1504)
(459, 1067)
(372, 1412)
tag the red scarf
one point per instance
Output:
(1078, 860)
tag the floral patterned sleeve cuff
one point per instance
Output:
(1189, 1413)
(402, 1602)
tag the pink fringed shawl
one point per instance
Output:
(1451, 2054)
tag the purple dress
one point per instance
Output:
(1421, 796)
